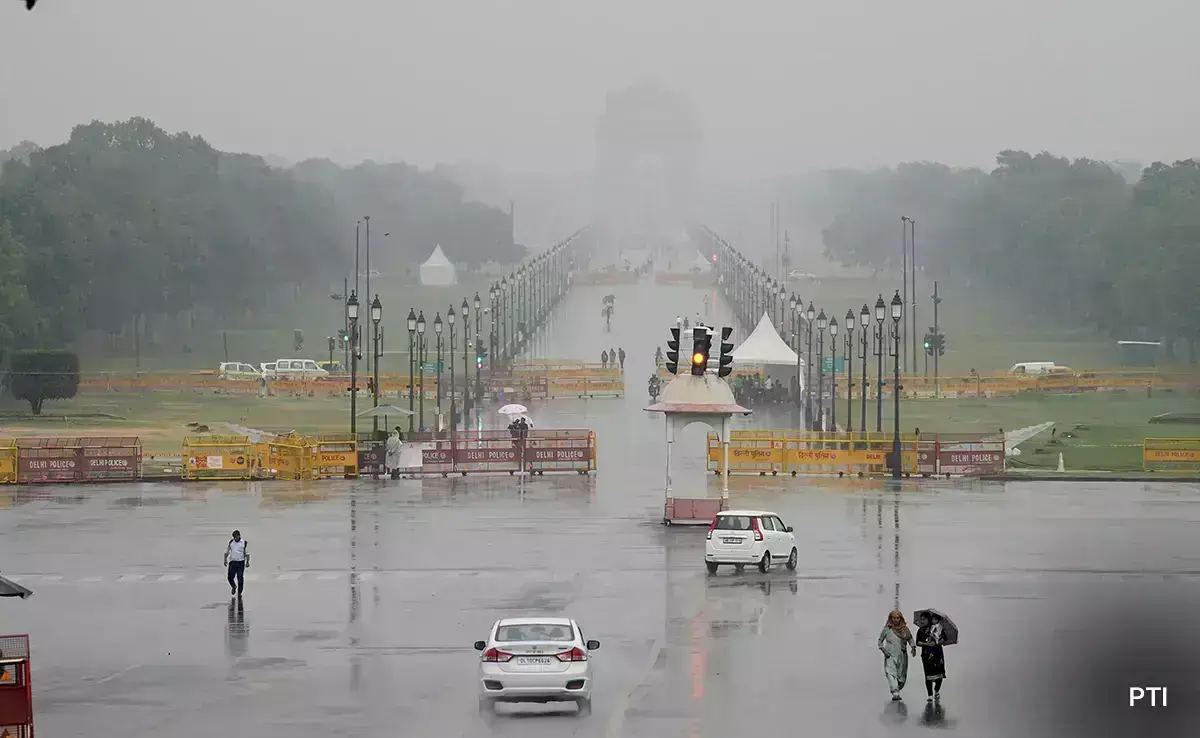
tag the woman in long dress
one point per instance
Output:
(895, 642)
(933, 655)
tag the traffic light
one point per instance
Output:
(673, 352)
(332, 343)
(725, 363)
(343, 335)
(930, 338)
(480, 353)
(939, 343)
(701, 347)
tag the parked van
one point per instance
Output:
(1030, 368)
(298, 369)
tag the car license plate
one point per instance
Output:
(732, 540)
(537, 660)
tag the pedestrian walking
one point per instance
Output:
(604, 359)
(896, 641)
(236, 561)
(930, 637)
(621, 356)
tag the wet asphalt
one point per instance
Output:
(364, 597)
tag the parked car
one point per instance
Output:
(238, 370)
(740, 537)
(536, 659)
(296, 369)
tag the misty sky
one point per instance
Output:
(780, 84)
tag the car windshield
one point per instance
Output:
(534, 632)
(733, 522)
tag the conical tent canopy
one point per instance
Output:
(764, 346)
(437, 271)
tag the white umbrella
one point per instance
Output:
(513, 410)
(385, 410)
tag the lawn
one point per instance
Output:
(1096, 430)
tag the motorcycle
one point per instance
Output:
(655, 388)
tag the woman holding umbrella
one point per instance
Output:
(931, 637)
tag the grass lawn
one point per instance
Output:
(1106, 428)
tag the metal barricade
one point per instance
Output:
(84, 459)
(1171, 455)
(801, 452)
(961, 454)
(337, 456)
(218, 457)
(536, 451)
(585, 387)
(287, 457)
(16, 687)
(8, 461)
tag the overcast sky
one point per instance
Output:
(780, 84)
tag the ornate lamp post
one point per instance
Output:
(811, 316)
(478, 363)
(466, 327)
(864, 320)
(421, 369)
(412, 363)
(352, 314)
(849, 360)
(376, 316)
(897, 314)
(833, 346)
(822, 324)
(880, 315)
(437, 330)
(796, 305)
(451, 318)
(494, 296)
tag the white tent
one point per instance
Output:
(701, 263)
(764, 346)
(437, 271)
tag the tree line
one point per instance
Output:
(125, 223)
(1082, 241)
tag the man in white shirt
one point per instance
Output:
(236, 560)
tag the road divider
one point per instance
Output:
(1171, 455)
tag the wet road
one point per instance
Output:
(364, 598)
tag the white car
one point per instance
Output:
(238, 371)
(294, 369)
(740, 537)
(535, 660)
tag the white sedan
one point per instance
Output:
(536, 660)
(741, 537)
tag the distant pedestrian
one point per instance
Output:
(392, 454)
(895, 642)
(621, 355)
(604, 359)
(933, 655)
(236, 561)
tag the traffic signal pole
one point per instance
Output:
(937, 331)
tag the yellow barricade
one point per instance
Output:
(8, 461)
(337, 456)
(1171, 455)
(288, 457)
(801, 452)
(583, 388)
(218, 457)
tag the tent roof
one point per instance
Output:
(437, 258)
(764, 346)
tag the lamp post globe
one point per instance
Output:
(880, 309)
(352, 306)
(412, 321)
(810, 313)
(376, 310)
(437, 323)
(897, 307)
(477, 303)
(421, 323)
(822, 322)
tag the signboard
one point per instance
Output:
(1182, 455)
(70, 464)
(828, 366)
(796, 457)
(1171, 454)
(371, 459)
(502, 455)
(431, 367)
(971, 459)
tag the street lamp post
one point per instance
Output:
(478, 363)
(897, 314)
(494, 296)
(833, 345)
(376, 316)
(412, 363)
(795, 305)
(849, 371)
(466, 329)
(808, 368)
(421, 370)
(822, 324)
(437, 331)
(864, 322)
(880, 315)
(352, 314)
(451, 318)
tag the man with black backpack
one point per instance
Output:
(236, 561)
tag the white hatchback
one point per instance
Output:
(740, 537)
(536, 660)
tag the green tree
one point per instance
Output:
(44, 374)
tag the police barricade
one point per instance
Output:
(16, 687)
(218, 457)
(287, 457)
(337, 456)
(8, 461)
(961, 454)
(537, 451)
(1171, 455)
(800, 452)
(582, 388)
(372, 457)
(44, 460)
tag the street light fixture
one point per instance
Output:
(352, 314)
(478, 363)
(466, 327)
(833, 346)
(796, 305)
(376, 316)
(808, 366)
(822, 324)
(451, 317)
(437, 344)
(849, 361)
(880, 315)
(412, 334)
(897, 314)
(421, 369)
(864, 319)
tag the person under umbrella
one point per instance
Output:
(895, 642)
(930, 637)
(392, 454)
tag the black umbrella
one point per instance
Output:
(949, 629)
(9, 588)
